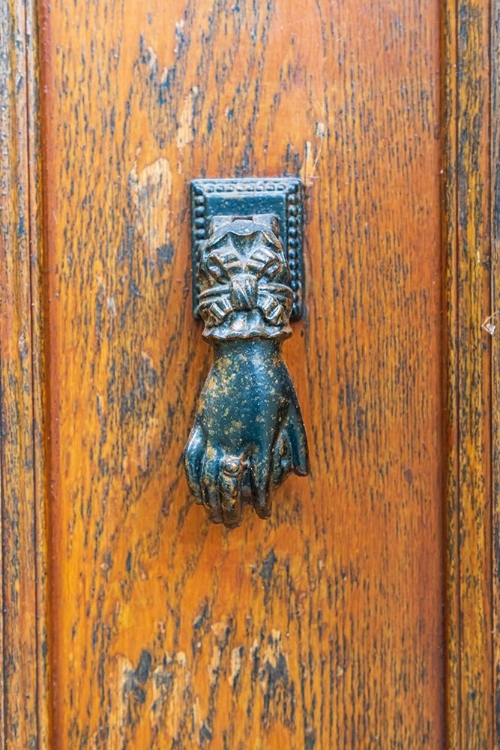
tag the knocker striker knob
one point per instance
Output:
(248, 433)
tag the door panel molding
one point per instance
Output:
(23, 621)
(495, 345)
(471, 519)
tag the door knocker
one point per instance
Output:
(248, 433)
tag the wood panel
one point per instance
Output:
(23, 637)
(494, 182)
(471, 517)
(321, 627)
(471, 705)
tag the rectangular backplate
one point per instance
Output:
(282, 196)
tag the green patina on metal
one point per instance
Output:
(248, 433)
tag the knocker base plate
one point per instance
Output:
(281, 196)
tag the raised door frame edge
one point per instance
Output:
(470, 36)
(24, 670)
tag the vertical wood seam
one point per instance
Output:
(30, 187)
(450, 300)
(36, 244)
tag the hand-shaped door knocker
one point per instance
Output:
(248, 433)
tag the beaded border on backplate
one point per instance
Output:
(291, 186)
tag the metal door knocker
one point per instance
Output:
(248, 433)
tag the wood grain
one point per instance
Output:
(150, 641)
(23, 673)
(322, 627)
(470, 683)
(494, 181)
(450, 370)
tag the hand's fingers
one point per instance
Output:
(193, 459)
(232, 469)
(296, 438)
(260, 476)
(282, 458)
(210, 488)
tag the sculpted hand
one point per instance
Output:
(248, 433)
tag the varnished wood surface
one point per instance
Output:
(153, 692)
(494, 197)
(322, 627)
(165, 692)
(23, 636)
(471, 506)
(323, 642)
(450, 368)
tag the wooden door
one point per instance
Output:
(362, 613)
